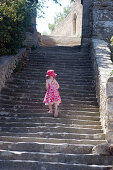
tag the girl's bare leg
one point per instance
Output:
(56, 110)
(50, 108)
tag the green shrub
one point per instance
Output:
(111, 47)
(15, 18)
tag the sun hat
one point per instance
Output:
(50, 73)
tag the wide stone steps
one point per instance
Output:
(46, 147)
(31, 91)
(78, 121)
(11, 164)
(10, 126)
(98, 136)
(16, 109)
(55, 157)
(67, 114)
(21, 138)
(31, 138)
(64, 126)
(77, 95)
(40, 102)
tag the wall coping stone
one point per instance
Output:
(8, 64)
(103, 66)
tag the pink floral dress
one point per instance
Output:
(52, 95)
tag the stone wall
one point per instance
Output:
(102, 17)
(87, 22)
(8, 64)
(72, 25)
(31, 38)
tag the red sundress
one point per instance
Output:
(52, 95)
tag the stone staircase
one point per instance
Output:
(32, 139)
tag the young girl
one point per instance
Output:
(52, 95)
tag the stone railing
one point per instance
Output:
(8, 64)
(103, 66)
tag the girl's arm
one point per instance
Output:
(57, 84)
(46, 84)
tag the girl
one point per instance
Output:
(52, 95)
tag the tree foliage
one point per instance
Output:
(59, 17)
(15, 19)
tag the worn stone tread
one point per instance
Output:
(23, 165)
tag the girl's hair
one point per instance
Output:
(49, 77)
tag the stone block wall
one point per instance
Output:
(102, 17)
(72, 25)
(8, 64)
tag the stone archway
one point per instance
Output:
(74, 24)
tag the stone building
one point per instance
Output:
(72, 25)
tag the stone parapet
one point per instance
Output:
(103, 66)
(8, 64)
(103, 19)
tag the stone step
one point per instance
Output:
(77, 95)
(66, 82)
(51, 120)
(47, 147)
(40, 109)
(85, 115)
(34, 98)
(41, 84)
(9, 127)
(40, 103)
(23, 165)
(40, 96)
(59, 65)
(59, 71)
(58, 48)
(63, 89)
(21, 138)
(57, 157)
(86, 63)
(77, 80)
(78, 74)
(41, 93)
(50, 125)
(62, 76)
(15, 109)
(97, 136)
(58, 57)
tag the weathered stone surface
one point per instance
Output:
(8, 64)
(103, 149)
(72, 25)
(109, 90)
(103, 67)
(102, 19)
(60, 41)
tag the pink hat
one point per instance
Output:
(50, 73)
